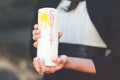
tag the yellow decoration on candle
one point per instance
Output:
(44, 19)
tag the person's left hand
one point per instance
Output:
(41, 68)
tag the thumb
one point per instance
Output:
(60, 34)
(63, 58)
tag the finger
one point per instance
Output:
(36, 32)
(36, 37)
(36, 64)
(38, 69)
(35, 26)
(43, 67)
(60, 34)
(35, 44)
(63, 58)
(56, 60)
(34, 60)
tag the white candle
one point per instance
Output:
(48, 42)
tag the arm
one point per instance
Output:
(106, 64)
(102, 66)
(80, 64)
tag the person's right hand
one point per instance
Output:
(36, 35)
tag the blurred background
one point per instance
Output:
(16, 18)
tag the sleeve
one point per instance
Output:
(107, 67)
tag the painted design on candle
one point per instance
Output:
(46, 19)
(51, 26)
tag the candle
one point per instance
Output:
(48, 42)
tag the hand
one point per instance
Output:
(36, 35)
(41, 68)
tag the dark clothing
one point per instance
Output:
(105, 15)
(75, 50)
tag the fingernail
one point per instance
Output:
(37, 58)
(33, 59)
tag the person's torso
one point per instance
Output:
(77, 27)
